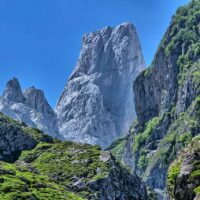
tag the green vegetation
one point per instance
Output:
(173, 174)
(117, 148)
(38, 135)
(176, 180)
(182, 40)
(143, 160)
(179, 136)
(195, 173)
(52, 169)
(67, 163)
(184, 138)
(196, 72)
(18, 182)
(148, 71)
(5, 119)
(140, 138)
(197, 190)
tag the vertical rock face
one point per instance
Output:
(29, 106)
(155, 89)
(35, 98)
(97, 104)
(13, 91)
(167, 102)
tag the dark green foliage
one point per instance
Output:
(140, 138)
(117, 148)
(179, 135)
(182, 39)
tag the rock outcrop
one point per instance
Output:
(167, 102)
(16, 137)
(51, 169)
(183, 181)
(30, 107)
(97, 105)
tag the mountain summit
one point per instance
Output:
(29, 106)
(97, 104)
(13, 91)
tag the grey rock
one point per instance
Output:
(30, 107)
(169, 90)
(119, 184)
(97, 105)
(13, 91)
(185, 183)
(155, 92)
(13, 141)
(128, 156)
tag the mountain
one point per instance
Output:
(167, 102)
(35, 166)
(29, 106)
(97, 105)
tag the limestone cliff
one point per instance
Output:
(97, 105)
(166, 101)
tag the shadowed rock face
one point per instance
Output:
(167, 102)
(29, 106)
(13, 91)
(97, 103)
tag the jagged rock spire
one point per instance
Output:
(36, 99)
(13, 91)
(31, 107)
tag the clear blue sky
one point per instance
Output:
(40, 40)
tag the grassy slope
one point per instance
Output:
(51, 170)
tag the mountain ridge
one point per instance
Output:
(29, 106)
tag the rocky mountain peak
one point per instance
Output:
(31, 107)
(97, 103)
(36, 99)
(13, 91)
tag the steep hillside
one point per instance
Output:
(183, 181)
(167, 102)
(35, 166)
